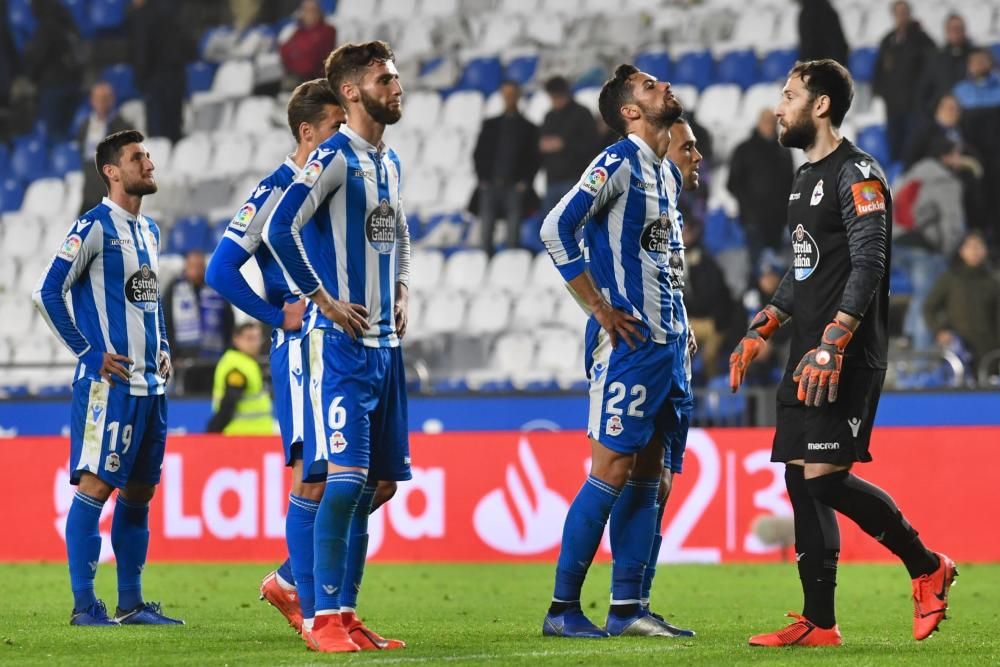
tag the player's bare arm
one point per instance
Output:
(400, 311)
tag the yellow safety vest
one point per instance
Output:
(253, 412)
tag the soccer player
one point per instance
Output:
(356, 272)
(118, 429)
(314, 114)
(836, 296)
(635, 342)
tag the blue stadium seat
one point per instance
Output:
(107, 15)
(11, 195)
(22, 22)
(482, 74)
(696, 69)
(329, 6)
(739, 67)
(29, 160)
(80, 117)
(899, 282)
(874, 141)
(776, 64)
(80, 11)
(65, 158)
(4, 158)
(656, 63)
(192, 233)
(522, 69)
(893, 171)
(862, 64)
(722, 232)
(996, 52)
(200, 75)
(121, 78)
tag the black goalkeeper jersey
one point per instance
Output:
(838, 215)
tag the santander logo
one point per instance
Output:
(522, 517)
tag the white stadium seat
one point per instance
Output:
(445, 150)
(426, 268)
(9, 272)
(253, 115)
(444, 313)
(18, 311)
(356, 9)
(544, 274)
(421, 110)
(588, 97)
(509, 269)
(687, 94)
(570, 313)
(43, 198)
(22, 236)
(190, 157)
(32, 269)
(465, 269)
(488, 313)
(270, 150)
(160, 150)
(458, 188)
(421, 189)
(533, 309)
(464, 110)
(719, 104)
(230, 157)
(539, 105)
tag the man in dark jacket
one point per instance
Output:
(506, 159)
(820, 33)
(903, 55)
(53, 62)
(102, 121)
(760, 177)
(568, 136)
(948, 64)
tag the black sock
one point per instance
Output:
(557, 608)
(817, 549)
(875, 513)
(624, 610)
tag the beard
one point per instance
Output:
(665, 116)
(140, 188)
(380, 113)
(802, 134)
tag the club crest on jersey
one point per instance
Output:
(675, 270)
(805, 253)
(310, 173)
(112, 463)
(243, 217)
(614, 426)
(380, 228)
(868, 197)
(655, 239)
(70, 247)
(595, 180)
(141, 289)
(817, 195)
(338, 443)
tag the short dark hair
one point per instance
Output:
(308, 104)
(244, 327)
(349, 60)
(557, 85)
(830, 78)
(109, 151)
(615, 94)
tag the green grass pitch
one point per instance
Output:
(491, 614)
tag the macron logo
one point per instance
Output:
(82, 224)
(814, 446)
(865, 167)
(329, 590)
(261, 189)
(611, 159)
(322, 153)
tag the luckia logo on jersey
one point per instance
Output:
(380, 228)
(141, 288)
(805, 252)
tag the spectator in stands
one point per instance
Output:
(8, 69)
(964, 304)
(567, 139)
(506, 159)
(199, 323)
(820, 33)
(102, 121)
(160, 50)
(241, 404)
(760, 177)
(54, 62)
(903, 55)
(981, 88)
(949, 63)
(928, 225)
(709, 303)
(306, 50)
(768, 367)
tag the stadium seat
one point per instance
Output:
(190, 156)
(756, 98)
(407, 145)
(458, 189)
(861, 62)
(440, 8)
(512, 353)
(500, 32)
(191, 233)
(547, 30)
(443, 314)
(22, 22)
(588, 97)
(233, 79)
(446, 150)
(355, 9)
(488, 313)
(464, 110)
(687, 94)
(65, 158)
(253, 115)
(230, 157)
(134, 113)
(538, 105)
(874, 141)
(271, 149)
(719, 104)
(509, 269)
(481, 74)
(199, 77)
(21, 236)
(656, 63)
(544, 274)
(738, 67)
(428, 266)
(120, 77)
(559, 350)
(522, 69)
(11, 195)
(421, 189)
(422, 110)
(754, 29)
(775, 65)
(107, 15)
(533, 310)
(464, 270)
(43, 198)
(721, 232)
(518, 7)
(570, 314)
(29, 159)
(9, 272)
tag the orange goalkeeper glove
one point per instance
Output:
(818, 374)
(763, 325)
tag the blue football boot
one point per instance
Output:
(571, 623)
(642, 624)
(676, 632)
(95, 614)
(147, 613)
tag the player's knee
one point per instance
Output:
(93, 486)
(384, 492)
(615, 471)
(138, 493)
(826, 488)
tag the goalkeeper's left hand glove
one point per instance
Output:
(818, 374)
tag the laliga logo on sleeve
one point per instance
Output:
(310, 173)
(242, 218)
(523, 517)
(62, 496)
(595, 180)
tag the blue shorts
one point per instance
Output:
(675, 437)
(358, 408)
(291, 408)
(115, 435)
(634, 394)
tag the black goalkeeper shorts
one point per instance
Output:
(838, 433)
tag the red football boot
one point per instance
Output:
(365, 637)
(800, 633)
(284, 600)
(930, 597)
(328, 635)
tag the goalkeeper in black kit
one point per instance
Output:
(836, 299)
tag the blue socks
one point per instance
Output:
(298, 569)
(333, 524)
(632, 523)
(130, 540)
(654, 555)
(582, 534)
(83, 548)
(357, 550)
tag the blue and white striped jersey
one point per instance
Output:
(633, 239)
(246, 230)
(108, 264)
(350, 191)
